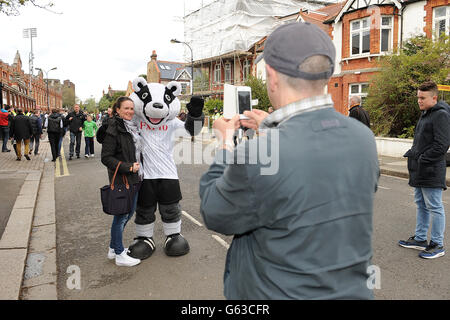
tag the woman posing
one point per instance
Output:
(122, 143)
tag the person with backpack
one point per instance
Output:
(54, 126)
(36, 126)
(358, 112)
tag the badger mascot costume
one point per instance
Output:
(156, 108)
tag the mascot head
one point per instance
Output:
(155, 102)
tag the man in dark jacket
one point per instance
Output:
(358, 112)
(21, 131)
(54, 128)
(426, 166)
(36, 124)
(75, 120)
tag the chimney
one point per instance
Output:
(154, 55)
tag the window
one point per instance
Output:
(441, 21)
(246, 71)
(183, 87)
(217, 73)
(386, 34)
(227, 72)
(359, 89)
(360, 36)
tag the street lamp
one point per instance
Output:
(192, 63)
(46, 75)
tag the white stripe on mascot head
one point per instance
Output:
(155, 102)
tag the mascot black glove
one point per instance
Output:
(195, 107)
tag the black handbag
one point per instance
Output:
(117, 199)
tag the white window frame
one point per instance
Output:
(446, 18)
(360, 31)
(361, 94)
(183, 87)
(246, 70)
(217, 73)
(391, 33)
(227, 72)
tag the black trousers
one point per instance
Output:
(164, 193)
(53, 138)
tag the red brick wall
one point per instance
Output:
(429, 14)
(340, 94)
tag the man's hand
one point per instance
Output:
(70, 119)
(256, 118)
(224, 128)
(81, 129)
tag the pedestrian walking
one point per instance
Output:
(21, 131)
(357, 112)
(63, 133)
(54, 126)
(36, 125)
(89, 129)
(122, 143)
(75, 120)
(303, 226)
(4, 127)
(427, 170)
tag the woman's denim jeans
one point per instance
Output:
(118, 225)
(429, 205)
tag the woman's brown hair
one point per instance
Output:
(118, 103)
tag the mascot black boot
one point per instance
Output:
(176, 245)
(142, 248)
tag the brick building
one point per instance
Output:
(16, 88)
(365, 30)
(166, 71)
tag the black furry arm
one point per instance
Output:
(194, 124)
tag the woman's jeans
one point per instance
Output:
(118, 225)
(429, 205)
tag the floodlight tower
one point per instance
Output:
(30, 33)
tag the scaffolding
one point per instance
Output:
(226, 26)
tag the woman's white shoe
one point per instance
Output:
(112, 253)
(124, 260)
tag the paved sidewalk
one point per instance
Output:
(15, 240)
(399, 167)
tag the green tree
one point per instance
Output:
(201, 80)
(259, 91)
(68, 98)
(392, 97)
(104, 103)
(90, 105)
(12, 7)
(212, 104)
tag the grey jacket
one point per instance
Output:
(304, 232)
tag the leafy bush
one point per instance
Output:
(392, 97)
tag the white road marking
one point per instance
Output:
(384, 188)
(187, 215)
(221, 241)
(395, 177)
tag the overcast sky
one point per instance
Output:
(96, 43)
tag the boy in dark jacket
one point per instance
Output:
(427, 168)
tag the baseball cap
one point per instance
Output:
(290, 44)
